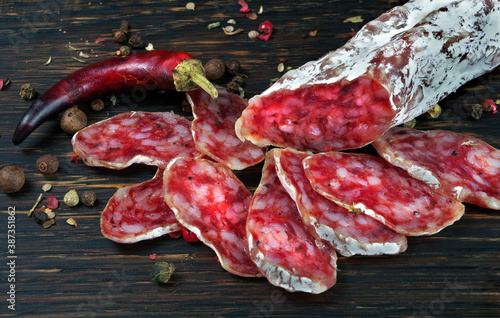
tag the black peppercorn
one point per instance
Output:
(40, 217)
(233, 67)
(136, 42)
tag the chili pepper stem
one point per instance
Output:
(189, 75)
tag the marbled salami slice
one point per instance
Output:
(213, 129)
(367, 184)
(350, 233)
(280, 244)
(135, 137)
(456, 165)
(396, 68)
(210, 201)
(138, 212)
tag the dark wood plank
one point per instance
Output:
(64, 271)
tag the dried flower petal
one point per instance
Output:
(149, 47)
(261, 10)
(47, 187)
(48, 223)
(99, 40)
(313, 33)
(253, 34)
(52, 202)
(72, 222)
(355, 19)
(267, 29)
(488, 105)
(50, 213)
(231, 21)
(251, 16)
(190, 5)
(434, 112)
(213, 25)
(152, 256)
(229, 30)
(48, 61)
(1, 84)
(244, 6)
(281, 67)
(34, 206)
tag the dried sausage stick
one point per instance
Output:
(396, 68)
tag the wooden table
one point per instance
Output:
(65, 271)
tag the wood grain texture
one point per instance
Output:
(65, 271)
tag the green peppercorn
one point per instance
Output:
(27, 91)
(162, 271)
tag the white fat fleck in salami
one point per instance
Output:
(213, 129)
(210, 201)
(138, 212)
(456, 165)
(135, 137)
(396, 68)
(280, 244)
(367, 184)
(350, 233)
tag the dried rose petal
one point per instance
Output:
(99, 40)
(251, 16)
(52, 202)
(489, 105)
(152, 256)
(244, 6)
(267, 29)
(1, 84)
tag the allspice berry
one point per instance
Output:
(27, 91)
(88, 198)
(73, 120)
(11, 179)
(215, 69)
(47, 164)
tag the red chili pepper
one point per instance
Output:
(267, 29)
(244, 6)
(154, 70)
(189, 236)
